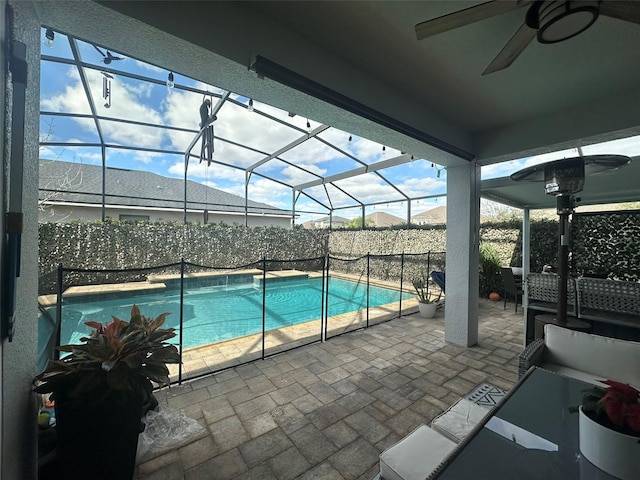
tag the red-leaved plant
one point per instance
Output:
(117, 360)
(616, 406)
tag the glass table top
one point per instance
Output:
(531, 436)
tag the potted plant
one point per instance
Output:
(99, 390)
(494, 296)
(610, 428)
(427, 303)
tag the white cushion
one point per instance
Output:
(415, 456)
(459, 419)
(601, 357)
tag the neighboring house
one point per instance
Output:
(73, 191)
(327, 222)
(382, 219)
(434, 216)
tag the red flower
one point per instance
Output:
(622, 404)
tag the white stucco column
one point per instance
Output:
(463, 227)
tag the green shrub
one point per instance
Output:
(490, 280)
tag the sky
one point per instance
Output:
(139, 101)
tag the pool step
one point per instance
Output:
(279, 276)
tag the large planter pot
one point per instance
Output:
(427, 310)
(613, 452)
(98, 441)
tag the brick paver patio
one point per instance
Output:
(327, 410)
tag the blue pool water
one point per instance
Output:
(218, 313)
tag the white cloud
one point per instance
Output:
(295, 176)
(140, 90)
(625, 146)
(265, 191)
(366, 149)
(507, 168)
(148, 66)
(71, 99)
(214, 172)
(125, 103)
(420, 187)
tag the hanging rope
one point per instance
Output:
(206, 194)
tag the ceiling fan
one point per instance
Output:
(551, 21)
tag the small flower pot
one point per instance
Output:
(427, 310)
(610, 451)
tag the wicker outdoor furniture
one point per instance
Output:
(612, 301)
(583, 356)
(611, 306)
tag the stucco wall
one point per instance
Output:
(19, 356)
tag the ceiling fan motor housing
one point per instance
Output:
(559, 20)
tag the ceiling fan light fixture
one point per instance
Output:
(559, 20)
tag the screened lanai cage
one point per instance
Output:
(124, 139)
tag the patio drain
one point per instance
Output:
(277, 412)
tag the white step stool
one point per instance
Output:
(415, 456)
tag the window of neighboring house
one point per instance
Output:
(133, 218)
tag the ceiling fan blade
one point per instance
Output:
(514, 47)
(467, 16)
(628, 11)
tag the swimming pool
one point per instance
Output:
(216, 313)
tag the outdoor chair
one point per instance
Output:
(438, 278)
(511, 287)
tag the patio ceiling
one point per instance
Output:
(572, 94)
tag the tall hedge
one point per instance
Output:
(607, 242)
(119, 245)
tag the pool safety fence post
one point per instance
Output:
(401, 278)
(428, 264)
(264, 301)
(368, 283)
(181, 328)
(323, 332)
(325, 293)
(58, 332)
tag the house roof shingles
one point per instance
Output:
(82, 183)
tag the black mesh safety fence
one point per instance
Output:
(418, 271)
(91, 295)
(347, 295)
(293, 303)
(221, 319)
(226, 316)
(390, 297)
